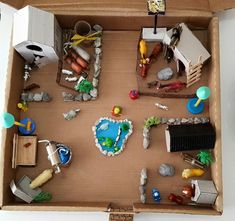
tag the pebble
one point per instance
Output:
(95, 82)
(184, 120)
(46, 97)
(97, 42)
(30, 97)
(144, 173)
(146, 142)
(38, 97)
(94, 92)
(190, 120)
(98, 51)
(146, 132)
(205, 120)
(166, 170)
(171, 120)
(143, 198)
(24, 97)
(68, 96)
(98, 27)
(71, 114)
(177, 121)
(164, 120)
(142, 181)
(142, 189)
(98, 60)
(197, 120)
(165, 74)
(86, 97)
(78, 97)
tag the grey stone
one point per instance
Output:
(98, 27)
(30, 97)
(95, 82)
(205, 120)
(86, 97)
(144, 173)
(97, 73)
(197, 120)
(146, 132)
(68, 96)
(184, 120)
(166, 170)
(38, 97)
(171, 121)
(142, 181)
(98, 60)
(71, 114)
(177, 121)
(97, 42)
(146, 142)
(190, 120)
(142, 189)
(165, 74)
(143, 198)
(164, 120)
(94, 92)
(98, 51)
(46, 97)
(24, 96)
(78, 97)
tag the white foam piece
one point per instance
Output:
(148, 35)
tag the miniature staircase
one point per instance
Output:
(194, 74)
(121, 214)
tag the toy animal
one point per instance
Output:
(187, 173)
(175, 86)
(143, 49)
(175, 198)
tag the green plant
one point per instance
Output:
(84, 86)
(42, 197)
(125, 127)
(152, 121)
(205, 157)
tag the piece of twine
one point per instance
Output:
(79, 38)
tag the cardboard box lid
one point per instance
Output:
(131, 7)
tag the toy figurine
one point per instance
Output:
(41, 179)
(175, 198)
(175, 37)
(196, 106)
(175, 86)
(156, 195)
(117, 111)
(23, 106)
(188, 191)
(143, 49)
(134, 94)
(205, 157)
(187, 173)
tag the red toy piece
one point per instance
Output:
(175, 86)
(188, 191)
(116, 111)
(144, 70)
(174, 198)
(134, 94)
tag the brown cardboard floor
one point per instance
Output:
(91, 175)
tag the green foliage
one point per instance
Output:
(125, 127)
(42, 197)
(108, 142)
(205, 157)
(84, 86)
(152, 121)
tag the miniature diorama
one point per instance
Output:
(145, 136)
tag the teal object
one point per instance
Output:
(7, 120)
(203, 92)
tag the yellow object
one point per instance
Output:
(187, 173)
(22, 106)
(143, 49)
(79, 38)
(19, 124)
(28, 126)
(41, 179)
(198, 102)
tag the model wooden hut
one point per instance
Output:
(188, 52)
(190, 137)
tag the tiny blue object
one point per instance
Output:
(7, 120)
(195, 110)
(65, 154)
(156, 195)
(23, 130)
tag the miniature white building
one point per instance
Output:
(37, 36)
(190, 51)
(205, 191)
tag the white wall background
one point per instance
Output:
(227, 56)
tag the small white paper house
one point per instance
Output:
(190, 52)
(37, 36)
(205, 191)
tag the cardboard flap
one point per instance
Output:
(121, 7)
(220, 5)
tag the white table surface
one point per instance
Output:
(227, 56)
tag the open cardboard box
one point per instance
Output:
(122, 22)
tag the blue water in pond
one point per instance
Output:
(112, 133)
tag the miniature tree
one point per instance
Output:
(152, 121)
(205, 157)
(84, 86)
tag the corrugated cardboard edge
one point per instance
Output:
(215, 110)
(218, 5)
(4, 131)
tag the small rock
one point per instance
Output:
(165, 74)
(142, 189)
(98, 51)
(24, 97)
(143, 198)
(144, 173)
(177, 121)
(71, 114)
(164, 120)
(171, 120)
(190, 120)
(94, 92)
(97, 73)
(46, 97)
(98, 27)
(146, 142)
(184, 120)
(142, 181)
(205, 120)
(86, 97)
(78, 97)
(197, 120)
(146, 132)
(95, 82)
(38, 97)
(67, 96)
(96, 67)
(166, 170)
(98, 60)
(30, 97)
(97, 42)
